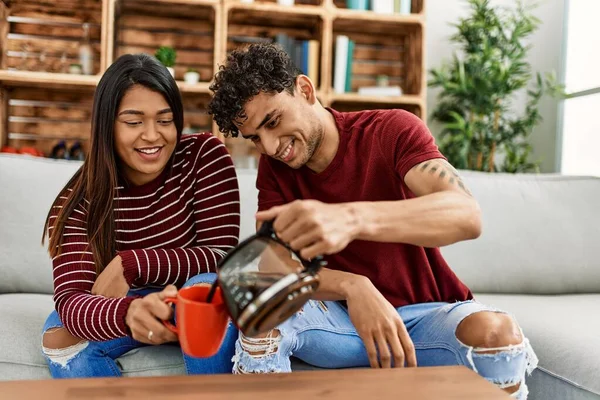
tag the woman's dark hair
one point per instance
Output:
(247, 72)
(97, 178)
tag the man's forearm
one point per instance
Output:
(434, 220)
(338, 285)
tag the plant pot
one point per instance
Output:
(172, 71)
(75, 69)
(191, 77)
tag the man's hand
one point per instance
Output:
(145, 315)
(111, 282)
(380, 327)
(312, 227)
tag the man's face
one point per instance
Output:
(283, 126)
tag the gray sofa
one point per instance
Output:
(538, 258)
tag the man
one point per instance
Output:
(371, 192)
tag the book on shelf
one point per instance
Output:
(340, 63)
(342, 69)
(391, 6)
(405, 6)
(313, 61)
(304, 54)
(380, 91)
(382, 6)
(357, 4)
(349, 60)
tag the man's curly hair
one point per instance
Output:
(247, 72)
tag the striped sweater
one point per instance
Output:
(168, 230)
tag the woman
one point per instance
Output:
(148, 212)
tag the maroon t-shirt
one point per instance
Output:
(377, 148)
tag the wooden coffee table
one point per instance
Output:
(431, 383)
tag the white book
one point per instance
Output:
(383, 6)
(405, 6)
(341, 62)
(380, 91)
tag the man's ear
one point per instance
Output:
(306, 89)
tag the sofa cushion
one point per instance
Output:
(563, 331)
(22, 318)
(540, 235)
(28, 186)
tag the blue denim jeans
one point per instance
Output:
(97, 359)
(323, 335)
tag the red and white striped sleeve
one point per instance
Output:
(216, 222)
(84, 315)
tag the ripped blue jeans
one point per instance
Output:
(90, 359)
(323, 335)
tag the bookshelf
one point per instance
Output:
(42, 104)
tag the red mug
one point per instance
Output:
(201, 326)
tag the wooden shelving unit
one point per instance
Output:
(40, 104)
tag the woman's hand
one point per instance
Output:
(111, 282)
(145, 315)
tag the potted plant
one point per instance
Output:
(191, 77)
(481, 131)
(167, 56)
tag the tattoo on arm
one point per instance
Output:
(446, 171)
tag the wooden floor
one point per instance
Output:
(433, 383)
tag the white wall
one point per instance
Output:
(545, 55)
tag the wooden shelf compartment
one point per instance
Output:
(195, 113)
(417, 8)
(386, 48)
(45, 36)
(273, 7)
(190, 28)
(41, 118)
(263, 24)
(298, 4)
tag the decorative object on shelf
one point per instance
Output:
(86, 55)
(64, 67)
(75, 69)
(76, 152)
(480, 129)
(382, 81)
(188, 130)
(191, 77)
(285, 2)
(167, 56)
(59, 151)
(247, 1)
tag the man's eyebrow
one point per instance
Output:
(264, 121)
(164, 111)
(266, 118)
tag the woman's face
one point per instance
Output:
(145, 134)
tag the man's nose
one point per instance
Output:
(270, 147)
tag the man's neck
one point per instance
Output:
(325, 153)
